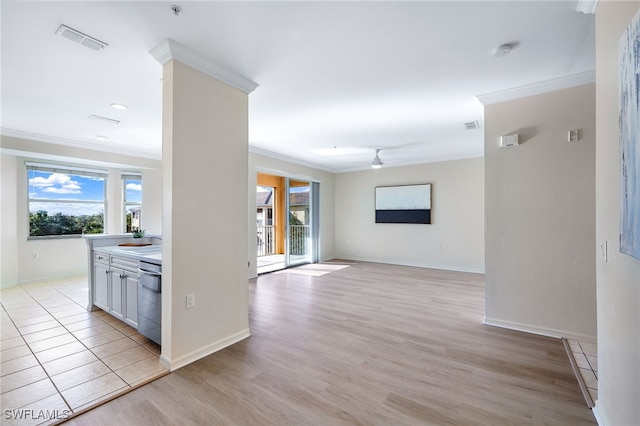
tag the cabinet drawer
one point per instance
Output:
(101, 257)
(124, 263)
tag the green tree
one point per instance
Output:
(41, 224)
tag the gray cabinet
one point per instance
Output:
(115, 286)
(101, 281)
(131, 301)
(117, 276)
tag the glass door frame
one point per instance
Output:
(311, 256)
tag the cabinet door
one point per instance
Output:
(117, 282)
(101, 286)
(131, 300)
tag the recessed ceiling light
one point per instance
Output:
(120, 107)
(102, 138)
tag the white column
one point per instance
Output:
(205, 211)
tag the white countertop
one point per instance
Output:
(151, 253)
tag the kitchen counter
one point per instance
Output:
(151, 254)
(107, 245)
(126, 281)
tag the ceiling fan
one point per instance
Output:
(376, 163)
(361, 154)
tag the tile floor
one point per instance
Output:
(57, 359)
(586, 356)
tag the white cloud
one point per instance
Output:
(134, 186)
(56, 183)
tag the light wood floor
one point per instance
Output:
(363, 343)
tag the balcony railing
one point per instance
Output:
(299, 236)
(298, 239)
(266, 242)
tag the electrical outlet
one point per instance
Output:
(34, 255)
(191, 301)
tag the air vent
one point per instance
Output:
(78, 37)
(104, 119)
(472, 125)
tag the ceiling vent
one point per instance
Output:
(104, 119)
(472, 125)
(78, 37)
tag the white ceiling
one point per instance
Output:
(336, 79)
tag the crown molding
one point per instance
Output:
(587, 6)
(170, 50)
(77, 144)
(538, 88)
(282, 157)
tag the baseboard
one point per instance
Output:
(413, 264)
(174, 364)
(252, 276)
(534, 329)
(601, 418)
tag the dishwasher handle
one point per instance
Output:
(144, 271)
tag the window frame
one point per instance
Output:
(124, 177)
(68, 170)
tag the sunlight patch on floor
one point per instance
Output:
(314, 269)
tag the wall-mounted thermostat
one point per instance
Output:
(509, 141)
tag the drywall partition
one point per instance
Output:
(67, 256)
(618, 278)
(540, 212)
(8, 219)
(263, 163)
(455, 238)
(205, 166)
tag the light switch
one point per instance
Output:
(604, 251)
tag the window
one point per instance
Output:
(132, 190)
(65, 201)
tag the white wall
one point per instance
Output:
(540, 201)
(67, 256)
(205, 214)
(8, 221)
(454, 240)
(263, 164)
(618, 280)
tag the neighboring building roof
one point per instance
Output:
(264, 198)
(299, 198)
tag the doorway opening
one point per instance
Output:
(286, 222)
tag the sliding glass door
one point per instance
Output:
(299, 236)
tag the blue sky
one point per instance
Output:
(59, 186)
(70, 187)
(133, 191)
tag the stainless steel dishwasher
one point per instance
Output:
(150, 301)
